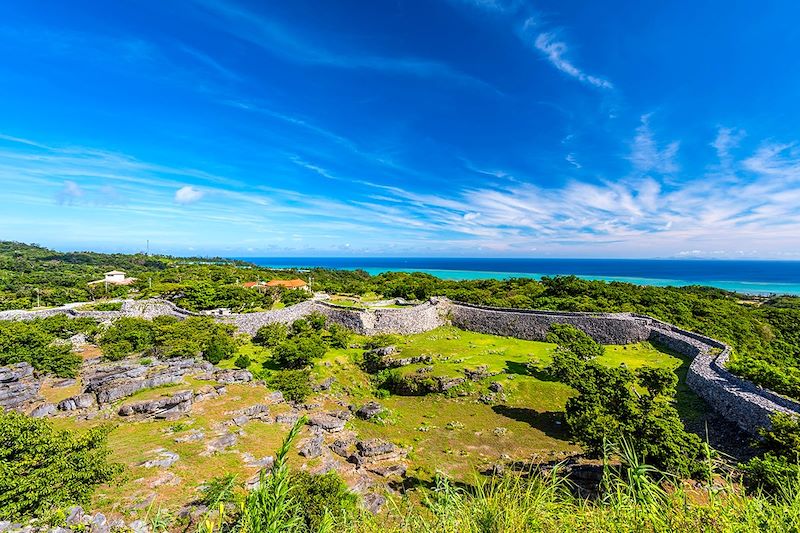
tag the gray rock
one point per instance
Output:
(341, 448)
(193, 435)
(81, 401)
(99, 524)
(495, 386)
(164, 408)
(373, 502)
(165, 459)
(374, 447)
(326, 422)
(263, 463)
(311, 447)
(43, 410)
(324, 385)
(240, 420)
(74, 515)
(369, 410)
(275, 397)
(139, 526)
(233, 376)
(19, 387)
(287, 418)
(220, 443)
(395, 469)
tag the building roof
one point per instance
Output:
(288, 283)
(250, 284)
(115, 273)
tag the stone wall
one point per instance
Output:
(605, 328)
(737, 400)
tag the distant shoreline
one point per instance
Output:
(746, 277)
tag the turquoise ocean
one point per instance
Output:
(747, 277)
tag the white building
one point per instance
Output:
(115, 276)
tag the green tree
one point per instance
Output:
(22, 341)
(576, 341)
(608, 407)
(294, 384)
(299, 352)
(271, 335)
(42, 468)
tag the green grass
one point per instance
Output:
(457, 435)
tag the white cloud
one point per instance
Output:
(70, 193)
(726, 140)
(572, 161)
(188, 195)
(647, 156)
(555, 52)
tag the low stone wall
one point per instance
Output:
(740, 401)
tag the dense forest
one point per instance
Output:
(765, 333)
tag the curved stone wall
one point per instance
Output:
(736, 399)
(740, 401)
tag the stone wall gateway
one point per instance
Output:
(739, 401)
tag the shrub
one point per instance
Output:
(28, 342)
(316, 320)
(576, 341)
(339, 336)
(779, 467)
(294, 384)
(220, 346)
(271, 335)
(42, 468)
(298, 352)
(301, 328)
(243, 361)
(317, 495)
(126, 336)
(770, 473)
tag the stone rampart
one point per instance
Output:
(740, 401)
(605, 328)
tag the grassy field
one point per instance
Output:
(458, 435)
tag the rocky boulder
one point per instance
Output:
(81, 401)
(168, 408)
(19, 387)
(369, 410)
(374, 447)
(326, 422)
(232, 376)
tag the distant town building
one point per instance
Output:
(115, 277)
(296, 283)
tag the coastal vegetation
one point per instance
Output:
(763, 332)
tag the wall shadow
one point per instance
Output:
(551, 423)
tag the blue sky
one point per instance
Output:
(422, 128)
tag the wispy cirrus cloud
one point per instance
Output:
(640, 214)
(533, 31)
(281, 41)
(646, 154)
(556, 51)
